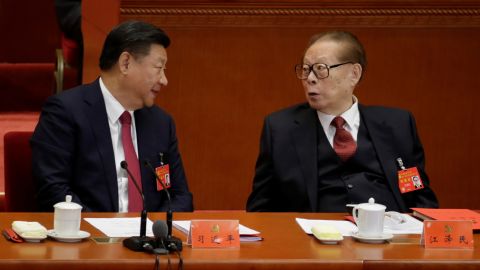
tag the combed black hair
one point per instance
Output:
(134, 37)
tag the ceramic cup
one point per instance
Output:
(369, 218)
(67, 217)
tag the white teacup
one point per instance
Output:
(369, 218)
(67, 217)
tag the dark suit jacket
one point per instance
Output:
(72, 153)
(286, 176)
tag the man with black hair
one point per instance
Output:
(85, 133)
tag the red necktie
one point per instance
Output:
(343, 142)
(134, 197)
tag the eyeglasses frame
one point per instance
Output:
(316, 75)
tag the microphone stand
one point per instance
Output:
(169, 222)
(172, 243)
(142, 242)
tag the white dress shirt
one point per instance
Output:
(114, 110)
(352, 121)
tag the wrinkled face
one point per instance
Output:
(146, 76)
(334, 94)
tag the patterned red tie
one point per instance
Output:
(134, 197)
(343, 142)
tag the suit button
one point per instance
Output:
(350, 186)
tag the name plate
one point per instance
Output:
(214, 234)
(448, 234)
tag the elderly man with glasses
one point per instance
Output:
(332, 151)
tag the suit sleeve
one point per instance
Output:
(262, 197)
(424, 197)
(53, 150)
(182, 199)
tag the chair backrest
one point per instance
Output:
(32, 83)
(19, 183)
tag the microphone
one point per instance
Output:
(142, 242)
(172, 243)
(160, 230)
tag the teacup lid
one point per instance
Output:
(68, 204)
(371, 205)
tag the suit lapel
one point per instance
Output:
(97, 114)
(382, 138)
(305, 140)
(147, 139)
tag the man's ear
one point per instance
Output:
(124, 61)
(356, 73)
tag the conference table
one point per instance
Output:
(285, 246)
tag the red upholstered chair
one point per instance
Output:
(30, 37)
(19, 184)
(25, 86)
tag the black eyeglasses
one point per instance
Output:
(320, 70)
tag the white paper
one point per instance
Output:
(119, 227)
(410, 225)
(344, 227)
(246, 234)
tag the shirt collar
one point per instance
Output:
(351, 116)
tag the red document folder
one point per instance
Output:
(448, 214)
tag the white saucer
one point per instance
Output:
(372, 240)
(68, 238)
(329, 241)
(33, 239)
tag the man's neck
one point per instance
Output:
(339, 110)
(113, 85)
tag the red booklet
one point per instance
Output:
(448, 214)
